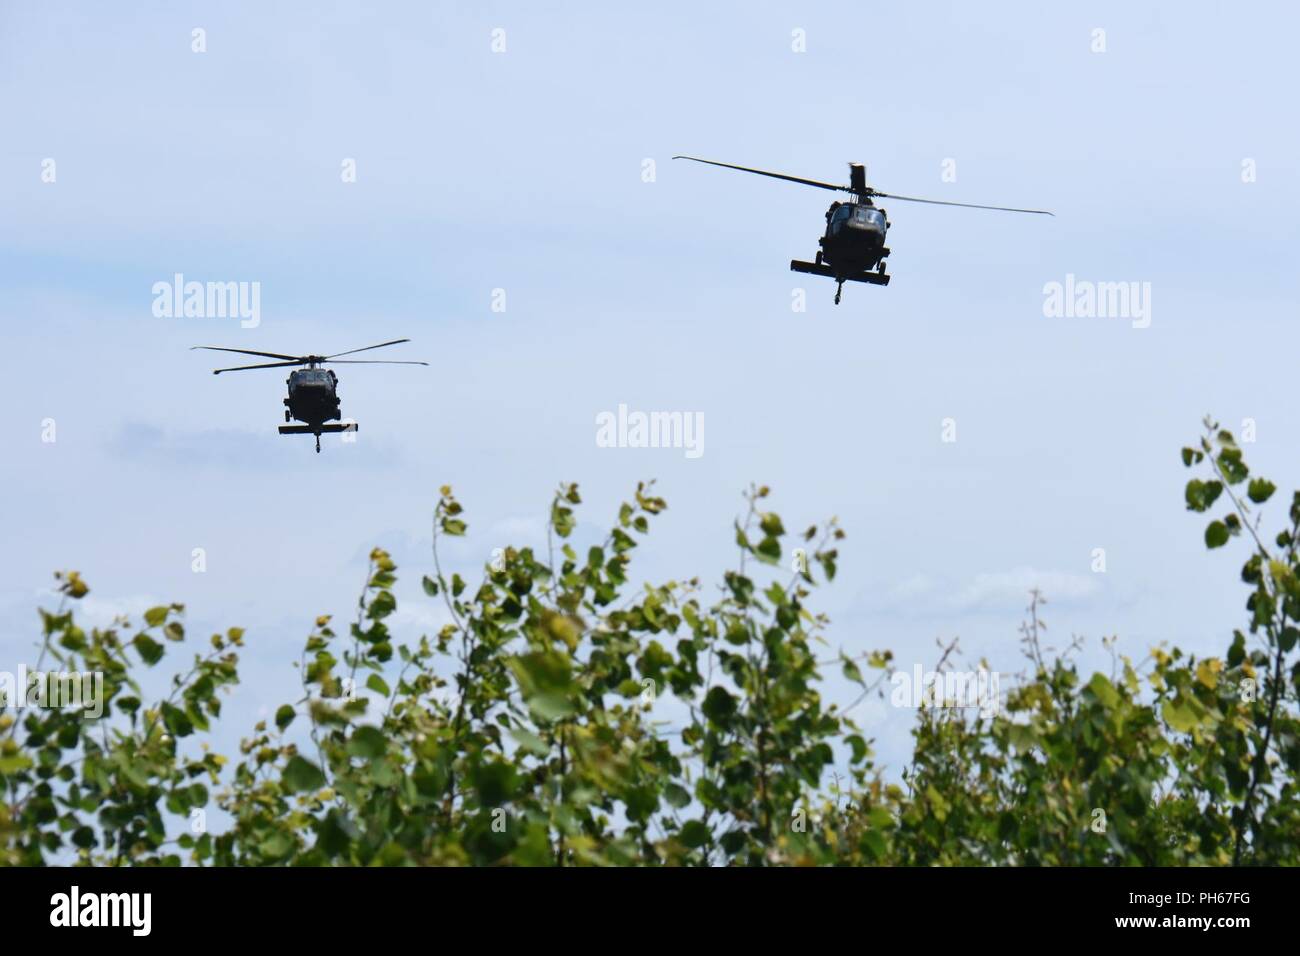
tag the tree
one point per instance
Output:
(529, 730)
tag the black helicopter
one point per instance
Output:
(854, 242)
(313, 391)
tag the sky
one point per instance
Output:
(516, 213)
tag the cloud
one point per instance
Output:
(411, 620)
(94, 610)
(242, 449)
(922, 595)
(1003, 589)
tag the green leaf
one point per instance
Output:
(430, 586)
(376, 683)
(676, 796)
(562, 520)
(14, 763)
(938, 805)
(367, 742)
(719, 706)
(495, 782)
(155, 616)
(176, 720)
(1260, 490)
(550, 706)
(827, 560)
(860, 749)
(284, 716)
(695, 834)
(1103, 690)
(1179, 715)
(151, 652)
(1200, 495)
(335, 833)
(300, 775)
(277, 845)
(529, 741)
(546, 680)
(1216, 534)
(874, 844)
(382, 605)
(1233, 468)
(1021, 737)
(1237, 652)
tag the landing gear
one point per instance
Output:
(286, 415)
(318, 443)
(839, 289)
(819, 257)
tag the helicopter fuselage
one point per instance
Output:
(313, 396)
(854, 240)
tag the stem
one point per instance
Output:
(1261, 758)
(559, 846)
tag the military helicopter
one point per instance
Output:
(313, 391)
(854, 242)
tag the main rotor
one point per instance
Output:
(311, 361)
(858, 187)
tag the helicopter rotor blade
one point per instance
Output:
(967, 205)
(369, 361)
(242, 368)
(218, 348)
(369, 347)
(764, 172)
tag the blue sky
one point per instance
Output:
(522, 171)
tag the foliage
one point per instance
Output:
(530, 730)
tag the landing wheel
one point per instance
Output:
(880, 267)
(819, 258)
(839, 289)
(286, 415)
(318, 443)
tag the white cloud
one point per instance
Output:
(997, 591)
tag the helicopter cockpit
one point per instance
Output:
(858, 217)
(312, 378)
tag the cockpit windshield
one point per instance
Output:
(856, 217)
(869, 217)
(316, 377)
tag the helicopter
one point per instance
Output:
(313, 391)
(854, 243)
